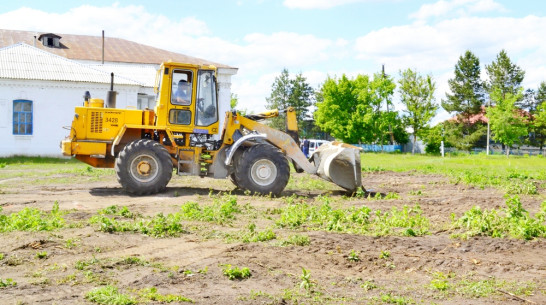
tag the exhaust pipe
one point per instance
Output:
(111, 95)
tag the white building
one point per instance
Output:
(44, 76)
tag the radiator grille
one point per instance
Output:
(96, 122)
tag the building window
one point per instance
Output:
(50, 40)
(22, 117)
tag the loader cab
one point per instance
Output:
(187, 98)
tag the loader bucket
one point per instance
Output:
(340, 164)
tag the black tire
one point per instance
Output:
(144, 167)
(262, 169)
(235, 161)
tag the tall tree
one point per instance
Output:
(334, 112)
(504, 75)
(287, 92)
(505, 78)
(417, 94)
(466, 101)
(507, 123)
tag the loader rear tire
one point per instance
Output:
(262, 169)
(144, 167)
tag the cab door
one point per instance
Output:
(181, 99)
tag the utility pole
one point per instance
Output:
(488, 129)
(390, 127)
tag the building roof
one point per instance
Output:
(481, 118)
(21, 61)
(83, 47)
(144, 74)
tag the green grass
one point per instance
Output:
(236, 273)
(109, 295)
(513, 221)
(223, 210)
(42, 255)
(408, 221)
(44, 170)
(23, 160)
(150, 294)
(7, 283)
(470, 287)
(32, 219)
(251, 235)
(515, 175)
(296, 240)
(156, 226)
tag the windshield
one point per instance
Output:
(207, 112)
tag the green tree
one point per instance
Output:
(287, 92)
(334, 112)
(417, 94)
(466, 101)
(504, 75)
(434, 136)
(234, 101)
(351, 109)
(507, 124)
(505, 78)
(538, 117)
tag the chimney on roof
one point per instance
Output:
(35, 41)
(103, 47)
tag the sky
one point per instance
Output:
(318, 38)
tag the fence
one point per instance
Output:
(379, 148)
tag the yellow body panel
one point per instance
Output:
(89, 148)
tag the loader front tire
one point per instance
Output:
(144, 167)
(262, 169)
(236, 163)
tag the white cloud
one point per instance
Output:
(317, 4)
(428, 47)
(259, 57)
(117, 21)
(438, 46)
(456, 8)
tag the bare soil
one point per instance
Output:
(276, 271)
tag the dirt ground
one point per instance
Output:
(191, 264)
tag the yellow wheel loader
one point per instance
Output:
(182, 132)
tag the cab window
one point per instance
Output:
(206, 113)
(179, 117)
(182, 87)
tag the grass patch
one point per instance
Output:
(467, 286)
(251, 235)
(32, 219)
(513, 221)
(114, 219)
(109, 295)
(150, 294)
(296, 240)
(406, 222)
(7, 283)
(515, 175)
(223, 210)
(236, 273)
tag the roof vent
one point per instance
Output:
(50, 40)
